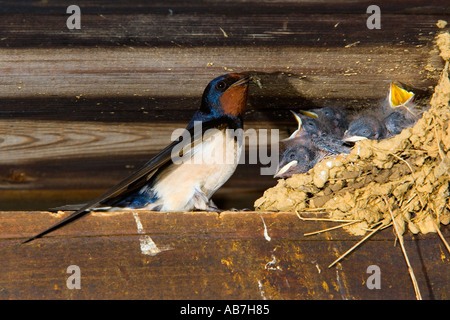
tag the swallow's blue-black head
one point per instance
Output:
(226, 95)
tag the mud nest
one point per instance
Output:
(406, 176)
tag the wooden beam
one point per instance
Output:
(418, 7)
(301, 72)
(306, 24)
(234, 255)
(27, 141)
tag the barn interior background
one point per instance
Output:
(80, 109)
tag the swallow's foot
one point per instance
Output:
(238, 210)
(212, 207)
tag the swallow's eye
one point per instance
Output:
(292, 156)
(221, 85)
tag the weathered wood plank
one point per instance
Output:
(209, 256)
(28, 141)
(188, 29)
(350, 73)
(126, 110)
(216, 6)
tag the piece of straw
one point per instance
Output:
(400, 238)
(356, 245)
(332, 228)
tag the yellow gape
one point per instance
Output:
(399, 96)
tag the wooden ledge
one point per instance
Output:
(204, 255)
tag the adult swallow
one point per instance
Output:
(164, 184)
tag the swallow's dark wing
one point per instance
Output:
(145, 172)
(139, 177)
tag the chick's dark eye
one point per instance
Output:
(310, 125)
(291, 156)
(221, 85)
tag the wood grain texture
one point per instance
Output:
(304, 73)
(417, 7)
(229, 23)
(201, 258)
(188, 29)
(28, 141)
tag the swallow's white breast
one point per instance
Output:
(189, 185)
